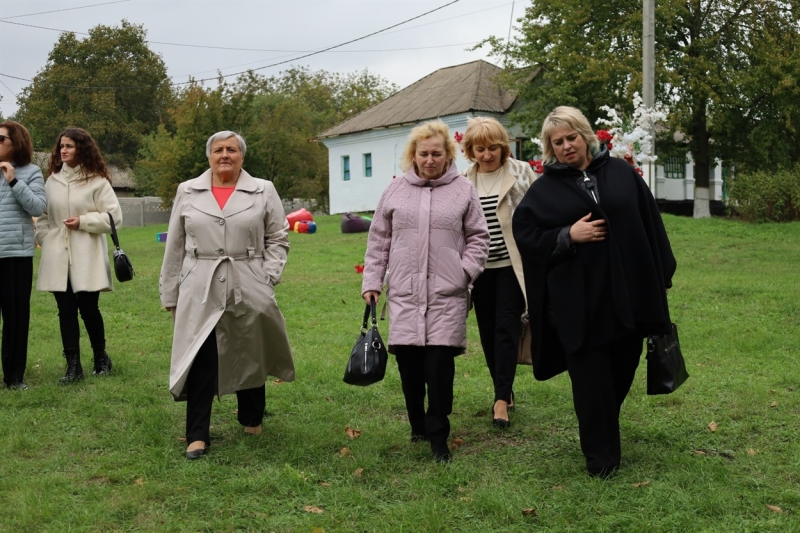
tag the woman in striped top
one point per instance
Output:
(498, 293)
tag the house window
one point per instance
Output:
(367, 165)
(346, 168)
(675, 167)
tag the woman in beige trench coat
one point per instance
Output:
(226, 249)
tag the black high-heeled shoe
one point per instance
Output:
(499, 423)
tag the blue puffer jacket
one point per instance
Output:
(18, 204)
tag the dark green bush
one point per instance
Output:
(766, 196)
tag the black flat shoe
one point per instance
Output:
(499, 423)
(17, 386)
(198, 453)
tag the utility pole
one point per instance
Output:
(649, 72)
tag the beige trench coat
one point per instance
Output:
(220, 268)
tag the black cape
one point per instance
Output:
(601, 291)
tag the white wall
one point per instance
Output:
(386, 146)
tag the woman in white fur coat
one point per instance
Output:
(499, 292)
(72, 233)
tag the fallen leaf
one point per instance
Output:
(774, 508)
(698, 452)
(529, 512)
(317, 530)
(323, 484)
(641, 484)
(328, 399)
(773, 404)
(712, 427)
(312, 509)
(751, 452)
(773, 391)
(182, 439)
(139, 481)
(466, 375)
(344, 452)
(457, 443)
(352, 433)
(141, 353)
(460, 489)
(278, 381)
(558, 487)
(358, 472)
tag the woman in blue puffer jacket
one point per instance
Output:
(22, 197)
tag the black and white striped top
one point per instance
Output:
(498, 252)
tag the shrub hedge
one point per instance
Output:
(766, 196)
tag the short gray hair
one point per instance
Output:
(221, 136)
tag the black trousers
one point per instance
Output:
(435, 367)
(69, 304)
(499, 304)
(601, 379)
(201, 386)
(16, 280)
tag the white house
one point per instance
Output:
(364, 151)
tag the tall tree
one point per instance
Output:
(109, 83)
(716, 62)
(277, 115)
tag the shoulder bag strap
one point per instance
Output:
(116, 243)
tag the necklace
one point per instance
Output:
(490, 190)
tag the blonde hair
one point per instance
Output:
(424, 131)
(566, 117)
(486, 131)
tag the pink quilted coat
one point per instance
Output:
(428, 241)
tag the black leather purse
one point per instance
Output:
(367, 364)
(666, 369)
(123, 268)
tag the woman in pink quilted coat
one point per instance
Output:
(427, 243)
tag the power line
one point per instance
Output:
(331, 47)
(316, 52)
(65, 9)
(9, 89)
(234, 49)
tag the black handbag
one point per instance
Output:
(122, 265)
(666, 370)
(367, 364)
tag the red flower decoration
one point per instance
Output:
(640, 171)
(604, 136)
(458, 136)
(359, 269)
(537, 165)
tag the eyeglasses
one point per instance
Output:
(3, 139)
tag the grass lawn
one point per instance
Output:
(107, 455)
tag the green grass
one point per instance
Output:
(106, 454)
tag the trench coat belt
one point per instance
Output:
(237, 289)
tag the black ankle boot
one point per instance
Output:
(74, 369)
(102, 363)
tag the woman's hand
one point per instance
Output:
(8, 171)
(372, 295)
(72, 222)
(584, 231)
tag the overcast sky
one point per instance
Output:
(280, 30)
